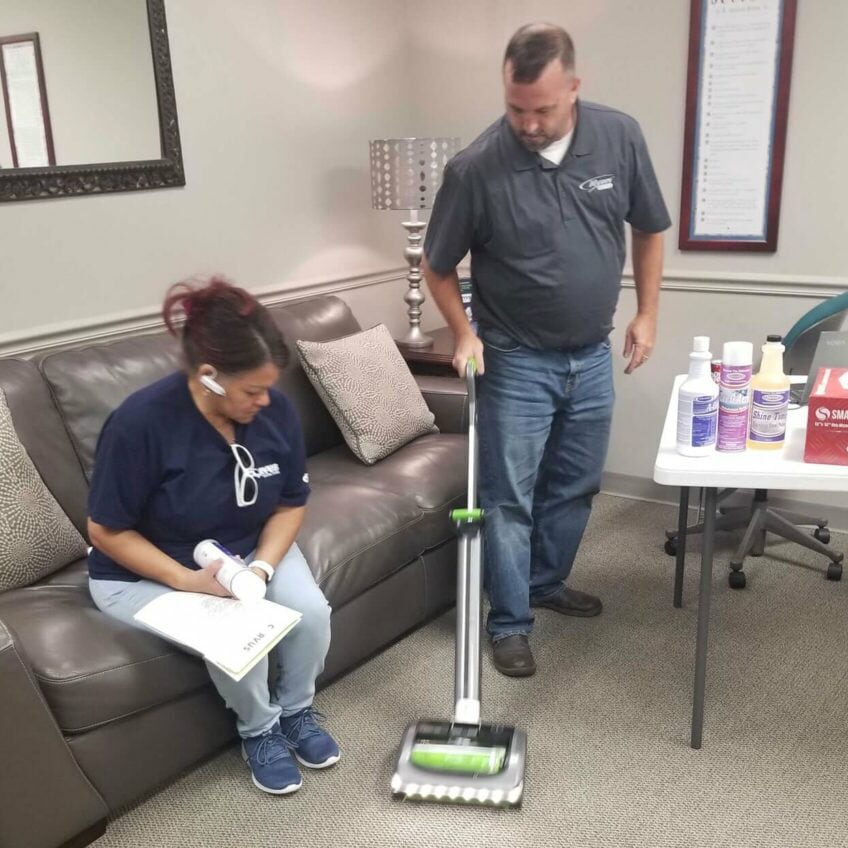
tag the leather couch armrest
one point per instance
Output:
(447, 398)
(45, 799)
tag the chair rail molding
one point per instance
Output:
(149, 319)
(736, 282)
(731, 282)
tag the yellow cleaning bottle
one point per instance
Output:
(769, 399)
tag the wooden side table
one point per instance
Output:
(434, 360)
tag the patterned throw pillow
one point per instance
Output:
(36, 537)
(369, 390)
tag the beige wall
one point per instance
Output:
(276, 102)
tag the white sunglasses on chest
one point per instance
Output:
(247, 486)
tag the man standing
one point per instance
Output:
(540, 199)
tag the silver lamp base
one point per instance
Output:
(414, 296)
(415, 338)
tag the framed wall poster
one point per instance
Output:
(737, 99)
(25, 101)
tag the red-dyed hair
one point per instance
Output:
(225, 326)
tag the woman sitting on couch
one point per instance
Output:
(217, 453)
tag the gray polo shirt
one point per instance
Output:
(547, 241)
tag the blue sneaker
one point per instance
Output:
(270, 762)
(312, 745)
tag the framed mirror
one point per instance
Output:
(88, 103)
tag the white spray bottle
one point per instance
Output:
(697, 404)
(233, 575)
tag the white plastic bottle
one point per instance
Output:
(697, 404)
(233, 575)
(769, 399)
(734, 396)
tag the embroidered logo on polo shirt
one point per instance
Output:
(601, 183)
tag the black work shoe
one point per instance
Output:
(513, 657)
(571, 602)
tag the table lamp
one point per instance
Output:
(406, 174)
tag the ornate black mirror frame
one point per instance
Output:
(73, 180)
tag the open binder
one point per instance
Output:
(232, 635)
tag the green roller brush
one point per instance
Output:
(467, 759)
(467, 516)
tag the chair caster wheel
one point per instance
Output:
(670, 547)
(822, 534)
(736, 579)
(834, 571)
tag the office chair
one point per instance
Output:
(758, 518)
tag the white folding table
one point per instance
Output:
(750, 469)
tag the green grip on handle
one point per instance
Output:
(468, 515)
(473, 363)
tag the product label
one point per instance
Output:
(735, 376)
(696, 420)
(768, 416)
(733, 402)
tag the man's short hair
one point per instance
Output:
(534, 47)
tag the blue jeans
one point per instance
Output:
(544, 422)
(299, 658)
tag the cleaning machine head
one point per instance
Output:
(476, 765)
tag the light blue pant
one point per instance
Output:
(299, 657)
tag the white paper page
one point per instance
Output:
(238, 650)
(230, 633)
(232, 662)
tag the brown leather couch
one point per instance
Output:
(94, 714)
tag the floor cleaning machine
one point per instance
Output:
(464, 761)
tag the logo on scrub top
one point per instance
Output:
(601, 183)
(266, 470)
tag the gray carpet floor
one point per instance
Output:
(607, 716)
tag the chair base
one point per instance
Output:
(758, 519)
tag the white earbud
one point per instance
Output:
(209, 382)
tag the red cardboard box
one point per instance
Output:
(827, 418)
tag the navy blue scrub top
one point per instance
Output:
(163, 470)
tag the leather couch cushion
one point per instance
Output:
(447, 397)
(105, 670)
(354, 536)
(432, 471)
(75, 575)
(88, 383)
